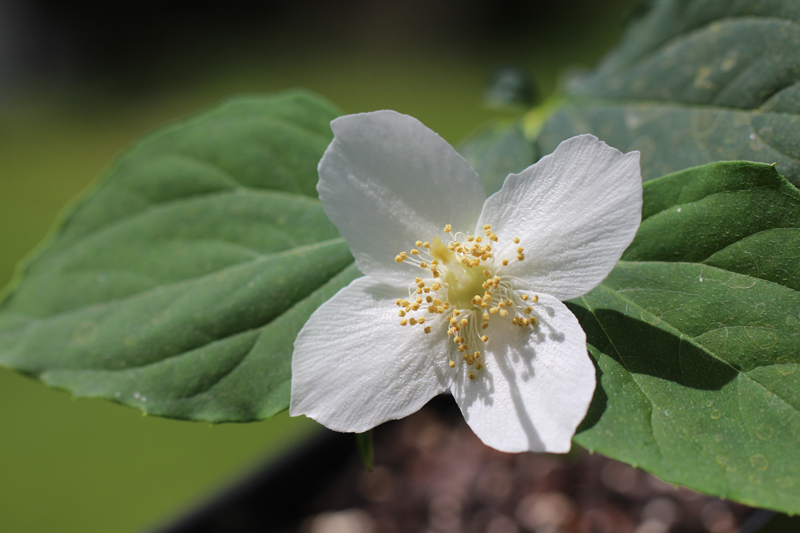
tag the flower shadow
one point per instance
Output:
(643, 348)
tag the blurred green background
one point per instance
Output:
(79, 81)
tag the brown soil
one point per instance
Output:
(432, 474)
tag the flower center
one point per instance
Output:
(463, 289)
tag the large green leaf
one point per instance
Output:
(178, 285)
(695, 82)
(696, 335)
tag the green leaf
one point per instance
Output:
(696, 336)
(497, 150)
(695, 82)
(179, 283)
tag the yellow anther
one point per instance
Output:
(426, 244)
(414, 252)
(418, 244)
(471, 375)
(486, 317)
(418, 300)
(524, 297)
(479, 239)
(484, 325)
(494, 310)
(477, 355)
(437, 301)
(419, 291)
(520, 249)
(535, 298)
(505, 262)
(478, 365)
(528, 310)
(426, 290)
(403, 322)
(432, 309)
(470, 238)
(484, 338)
(401, 313)
(462, 348)
(423, 265)
(415, 307)
(509, 303)
(533, 320)
(464, 322)
(451, 331)
(487, 227)
(420, 284)
(417, 280)
(448, 228)
(399, 301)
(503, 313)
(413, 321)
(493, 237)
(501, 305)
(400, 258)
(420, 321)
(427, 329)
(451, 364)
(520, 257)
(429, 299)
(516, 240)
(515, 321)
(486, 273)
(435, 274)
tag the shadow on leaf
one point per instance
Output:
(649, 349)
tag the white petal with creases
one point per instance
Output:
(575, 211)
(355, 367)
(536, 386)
(386, 181)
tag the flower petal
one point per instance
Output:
(355, 367)
(387, 181)
(575, 211)
(536, 385)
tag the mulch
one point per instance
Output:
(433, 475)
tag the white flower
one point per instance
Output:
(462, 292)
